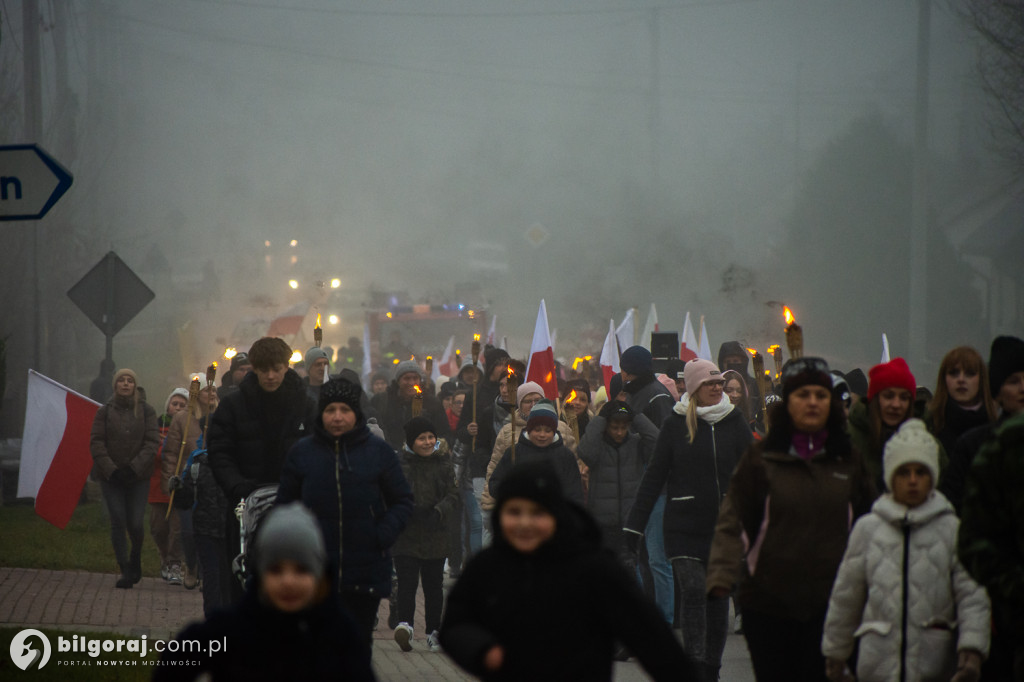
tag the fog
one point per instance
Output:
(714, 156)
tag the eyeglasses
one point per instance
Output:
(801, 365)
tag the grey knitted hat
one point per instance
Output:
(290, 532)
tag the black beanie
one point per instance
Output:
(415, 426)
(341, 391)
(636, 360)
(1005, 358)
(536, 480)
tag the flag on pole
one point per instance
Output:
(541, 367)
(367, 358)
(650, 327)
(609, 359)
(504, 344)
(885, 348)
(688, 351)
(704, 350)
(625, 334)
(446, 365)
(289, 322)
(554, 340)
(491, 332)
(55, 457)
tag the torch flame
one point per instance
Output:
(476, 337)
(418, 390)
(571, 397)
(752, 351)
(215, 364)
(788, 314)
(510, 372)
(774, 347)
(317, 325)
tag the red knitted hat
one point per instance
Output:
(893, 374)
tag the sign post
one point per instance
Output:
(31, 182)
(110, 295)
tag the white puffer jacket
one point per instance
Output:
(896, 558)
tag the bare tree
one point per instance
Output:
(1000, 27)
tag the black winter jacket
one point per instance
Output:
(252, 430)
(374, 506)
(615, 470)
(556, 612)
(435, 504)
(261, 643)
(393, 413)
(559, 455)
(697, 475)
(649, 397)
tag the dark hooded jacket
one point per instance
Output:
(252, 430)
(648, 396)
(435, 504)
(555, 452)
(260, 642)
(393, 412)
(736, 348)
(615, 470)
(488, 408)
(556, 612)
(355, 487)
(124, 434)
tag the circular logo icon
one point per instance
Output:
(27, 656)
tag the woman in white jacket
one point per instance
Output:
(900, 591)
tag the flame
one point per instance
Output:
(430, 358)
(230, 353)
(215, 364)
(788, 314)
(418, 390)
(752, 351)
(767, 372)
(576, 363)
(774, 347)
(476, 337)
(510, 372)
(571, 397)
(317, 325)
(588, 358)
(458, 352)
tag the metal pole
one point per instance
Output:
(919, 197)
(108, 317)
(33, 129)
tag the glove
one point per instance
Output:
(836, 670)
(175, 483)
(968, 667)
(633, 542)
(122, 476)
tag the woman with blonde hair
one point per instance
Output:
(697, 449)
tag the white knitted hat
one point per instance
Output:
(911, 443)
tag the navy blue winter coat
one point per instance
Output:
(375, 501)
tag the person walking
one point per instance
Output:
(123, 443)
(697, 449)
(783, 526)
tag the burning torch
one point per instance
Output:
(759, 373)
(318, 332)
(794, 334)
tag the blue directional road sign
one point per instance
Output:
(31, 182)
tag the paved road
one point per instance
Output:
(76, 600)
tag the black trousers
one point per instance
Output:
(363, 608)
(410, 570)
(782, 649)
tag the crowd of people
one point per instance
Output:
(866, 526)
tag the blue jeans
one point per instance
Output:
(485, 524)
(661, 567)
(126, 506)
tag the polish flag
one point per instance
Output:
(689, 349)
(885, 349)
(609, 359)
(491, 332)
(446, 365)
(704, 349)
(650, 327)
(289, 322)
(626, 332)
(541, 367)
(55, 457)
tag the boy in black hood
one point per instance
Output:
(545, 602)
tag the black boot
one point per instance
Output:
(124, 582)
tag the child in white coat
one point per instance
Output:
(901, 591)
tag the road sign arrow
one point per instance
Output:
(31, 182)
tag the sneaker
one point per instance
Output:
(432, 642)
(403, 635)
(174, 574)
(189, 579)
(165, 571)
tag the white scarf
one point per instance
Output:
(712, 414)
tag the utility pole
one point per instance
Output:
(33, 87)
(919, 197)
(654, 103)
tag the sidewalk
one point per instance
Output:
(80, 601)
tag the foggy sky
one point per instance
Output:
(399, 141)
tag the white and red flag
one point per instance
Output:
(55, 457)
(688, 351)
(541, 367)
(704, 349)
(609, 359)
(367, 357)
(650, 327)
(625, 334)
(446, 365)
(491, 338)
(289, 322)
